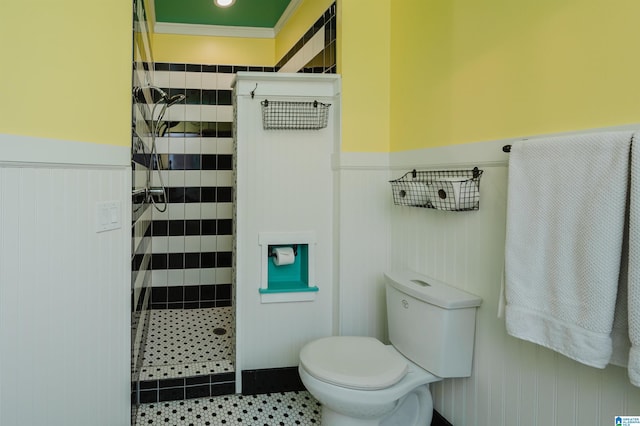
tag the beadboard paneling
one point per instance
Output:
(64, 296)
(514, 382)
(363, 247)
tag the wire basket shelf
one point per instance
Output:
(450, 190)
(289, 115)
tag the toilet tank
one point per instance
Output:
(431, 323)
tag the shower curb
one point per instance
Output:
(150, 391)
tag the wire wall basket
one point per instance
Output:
(288, 115)
(451, 190)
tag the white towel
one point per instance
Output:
(633, 284)
(620, 332)
(565, 221)
(502, 300)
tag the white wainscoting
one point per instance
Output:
(363, 248)
(64, 288)
(513, 382)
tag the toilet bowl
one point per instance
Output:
(360, 381)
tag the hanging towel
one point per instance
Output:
(633, 283)
(620, 332)
(565, 221)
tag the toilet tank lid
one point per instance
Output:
(431, 290)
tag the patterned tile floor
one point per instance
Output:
(275, 409)
(188, 342)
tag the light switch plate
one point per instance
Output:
(108, 216)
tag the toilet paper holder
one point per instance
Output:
(292, 282)
(293, 246)
(450, 190)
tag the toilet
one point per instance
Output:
(361, 381)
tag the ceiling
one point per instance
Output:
(201, 16)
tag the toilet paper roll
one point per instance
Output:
(414, 196)
(283, 256)
(446, 195)
(454, 194)
(469, 194)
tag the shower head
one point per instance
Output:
(162, 93)
(164, 96)
(174, 99)
(168, 101)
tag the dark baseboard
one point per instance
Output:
(438, 420)
(269, 380)
(183, 388)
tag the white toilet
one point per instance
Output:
(360, 381)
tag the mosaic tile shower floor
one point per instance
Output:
(188, 342)
(275, 409)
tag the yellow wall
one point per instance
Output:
(466, 71)
(421, 53)
(66, 70)
(416, 73)
(364, 62)
(213, 50)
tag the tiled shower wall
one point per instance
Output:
(191, 239)
(315, 52)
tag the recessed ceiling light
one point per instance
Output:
(224, 3)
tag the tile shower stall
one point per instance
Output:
(183, 325)
(188, 350)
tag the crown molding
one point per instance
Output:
(213, 30)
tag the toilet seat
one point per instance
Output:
(362, 363)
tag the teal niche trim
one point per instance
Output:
(293, 278)
(298, 287)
